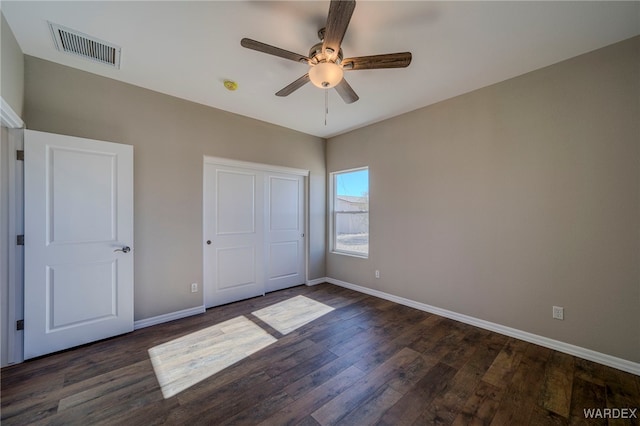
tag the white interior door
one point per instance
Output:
(78, 240)
(284, 231)
(234, 234)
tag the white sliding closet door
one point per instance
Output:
(284, 231)
(253, 230)
(234, 233)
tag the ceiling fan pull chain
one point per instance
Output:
(326, 105)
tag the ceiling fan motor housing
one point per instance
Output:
(317, 55)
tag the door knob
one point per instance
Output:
(208, 242)
(125, 249)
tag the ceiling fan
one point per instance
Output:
(325, 60)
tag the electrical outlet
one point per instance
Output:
(377, 274)
(194, 287)
(558, 312)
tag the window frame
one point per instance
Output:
(334, 213)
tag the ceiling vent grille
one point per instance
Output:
(85, 46)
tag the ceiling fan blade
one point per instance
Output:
(272, 50)
(340, 12)
(346, 92)
(390, 60)
(286, 91)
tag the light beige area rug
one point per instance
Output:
(185, 361)
(290, 314)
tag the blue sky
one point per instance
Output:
(353, 183)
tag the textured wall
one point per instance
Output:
(507, 200)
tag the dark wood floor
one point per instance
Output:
(369, 361)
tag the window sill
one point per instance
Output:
(350, 254)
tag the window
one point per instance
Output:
(350, 216)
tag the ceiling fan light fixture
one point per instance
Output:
(325, 75)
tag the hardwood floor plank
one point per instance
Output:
(308, 421)
(31, 392)
(341, 337)
(374, 358)
(411, 374)
(462, 353)
(116, 403)
(543, 417)
(254, 414)
(303, 369)
(487, 351)
(519, 399)
(447, 405)
(590, 371)
(505, 364)
(103, 384)
(481, 406)
(317, 377)
(228, 401)
(360, 342)
(333, 411)
(586, 395)
(314, 399)
(411, 405)
(558, 384)
(449, 342)
(246, 368)
(296, 358)
(372, 409)
(622, 392)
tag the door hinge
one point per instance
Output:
(20, 325)
(20, 240)
(20, 155)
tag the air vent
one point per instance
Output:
(85, 46)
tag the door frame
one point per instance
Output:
(15, 253)
(228, 162)
(14, 256)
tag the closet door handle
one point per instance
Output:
(125, 249)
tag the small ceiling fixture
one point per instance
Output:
(230, 85)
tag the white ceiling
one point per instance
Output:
(186, 49)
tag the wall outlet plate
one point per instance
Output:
(558, 312)
(194, 287)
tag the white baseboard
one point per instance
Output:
(317, 281)
(148, 322)
(588, 354)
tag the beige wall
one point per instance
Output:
(11, 68)
(505, 201)
(170, 137)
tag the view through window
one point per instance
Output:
(351, 212)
